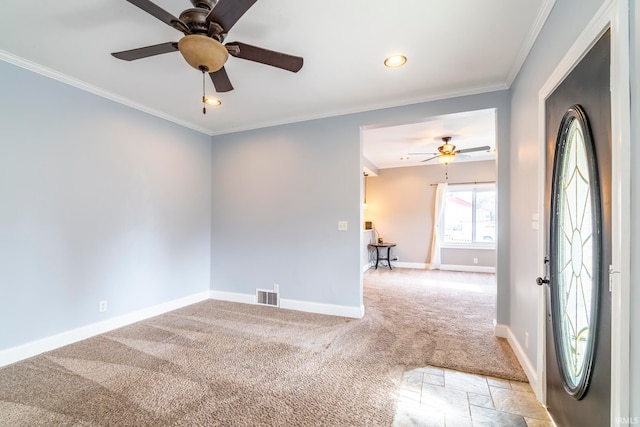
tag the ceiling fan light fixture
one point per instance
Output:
(214, 102)
(202, 52)
(446, 158)
(395, 61)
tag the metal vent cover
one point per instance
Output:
(266, 297)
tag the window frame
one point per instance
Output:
(475, 188)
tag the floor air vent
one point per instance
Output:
(265, 297)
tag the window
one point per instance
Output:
(470, 216)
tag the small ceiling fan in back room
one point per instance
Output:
(447, 152)
(205, 27)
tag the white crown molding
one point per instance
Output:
(543, 15)
(371, 107)
(79, 84)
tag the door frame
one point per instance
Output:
(614, 15)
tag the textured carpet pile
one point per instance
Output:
(226, 364)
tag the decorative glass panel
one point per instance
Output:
(575, 251)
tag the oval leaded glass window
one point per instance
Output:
(575, 251)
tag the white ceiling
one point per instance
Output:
(453, 47)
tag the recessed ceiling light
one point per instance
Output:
(395, 61)
(212, 101)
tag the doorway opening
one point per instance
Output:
(402, 167)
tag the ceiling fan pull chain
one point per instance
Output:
(204, 98)
(446, 172)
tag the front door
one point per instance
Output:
(578, 206)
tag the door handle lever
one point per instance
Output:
(540, 281)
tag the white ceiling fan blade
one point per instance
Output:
(470, 150)
(435, 157)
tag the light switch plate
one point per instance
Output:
(342, 225)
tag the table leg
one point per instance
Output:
(377, 256)
(388, 257)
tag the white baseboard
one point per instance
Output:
(233, 297)
(468, 268)
(319, 308)
(290, 304)
(448, 267)
(366, 267)
(24, 351)
(419, 265)
(503, 331)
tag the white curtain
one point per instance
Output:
(438, 223)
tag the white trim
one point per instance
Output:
(478, 246)
(233, 297)
(71, 81)
(447, 267)
(319, 308)
(307, 306)
(367, 266)
(372, 107)
(612, 14)
(621, 211)
(468, 268)
(24, 351)
(55, 75)
(503, 331)
(34, 348)
(530, 40)
(419, 265)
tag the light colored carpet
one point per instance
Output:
(224, 364)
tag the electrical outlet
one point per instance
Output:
(342, 225)
(475, 260)
(276, 288)
(103, 306)
(526, 340)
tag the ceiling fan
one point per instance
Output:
(205, 26)
(447, 152)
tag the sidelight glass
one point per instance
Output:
(575, 251)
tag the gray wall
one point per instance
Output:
(401, 203)
(278, 195)
(635, 210)
(98, 202)
(279, 192)
(566, 21)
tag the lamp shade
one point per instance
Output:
(203, 53)
(446, 158)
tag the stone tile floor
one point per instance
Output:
(438, 397)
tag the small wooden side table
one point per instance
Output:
(383, 245)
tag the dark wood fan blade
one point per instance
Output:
(227, 12)
(471, 150)
(145, 52)
(221, 80)
(158, 12)
(434, 157)
(264, 56)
